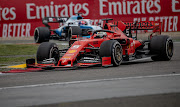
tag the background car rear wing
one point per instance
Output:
(47, 20)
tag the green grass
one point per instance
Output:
(17, 49)
(9, 52)
(13, 60)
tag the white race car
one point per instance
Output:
(75, 25)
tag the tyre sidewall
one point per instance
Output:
(159, 48)
(45, 51)
(43, 34)
(69, 35)
(36, 35)
(108, 49)
(166, 50)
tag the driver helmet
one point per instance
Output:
(101, 34)
(82, 22)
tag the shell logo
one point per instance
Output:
(72, 51)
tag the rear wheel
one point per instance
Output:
(162, 47)
(113, 49)
(41, 34)
(47, 50)
(73, 30)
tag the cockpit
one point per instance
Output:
(100, 34)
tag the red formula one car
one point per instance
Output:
(107, 47)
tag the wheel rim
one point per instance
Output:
(54, 53)
(118, 53)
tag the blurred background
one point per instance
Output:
(20, 18)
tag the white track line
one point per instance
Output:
(1, 74)
(88, 81)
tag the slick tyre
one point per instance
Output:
(113, 49)
(47, 50)
(162, 47)
(41, 34)
(73, 30)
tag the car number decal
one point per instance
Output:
(75, 46)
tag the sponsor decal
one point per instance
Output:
(72, 51)
(63, 60)
(175, 4)
(16, 30)
(75, 46)
(69, 54)
(52, 9)
(66, 57)
(21, 18)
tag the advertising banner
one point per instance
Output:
(19, 18)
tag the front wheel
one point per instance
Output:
(73, 30)
(162, 47)
(47, 50)
(113, 49)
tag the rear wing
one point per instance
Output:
(47, 20)
(144, 26)
(155, 26)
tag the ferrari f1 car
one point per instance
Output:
(107, 47)
(75, 25)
